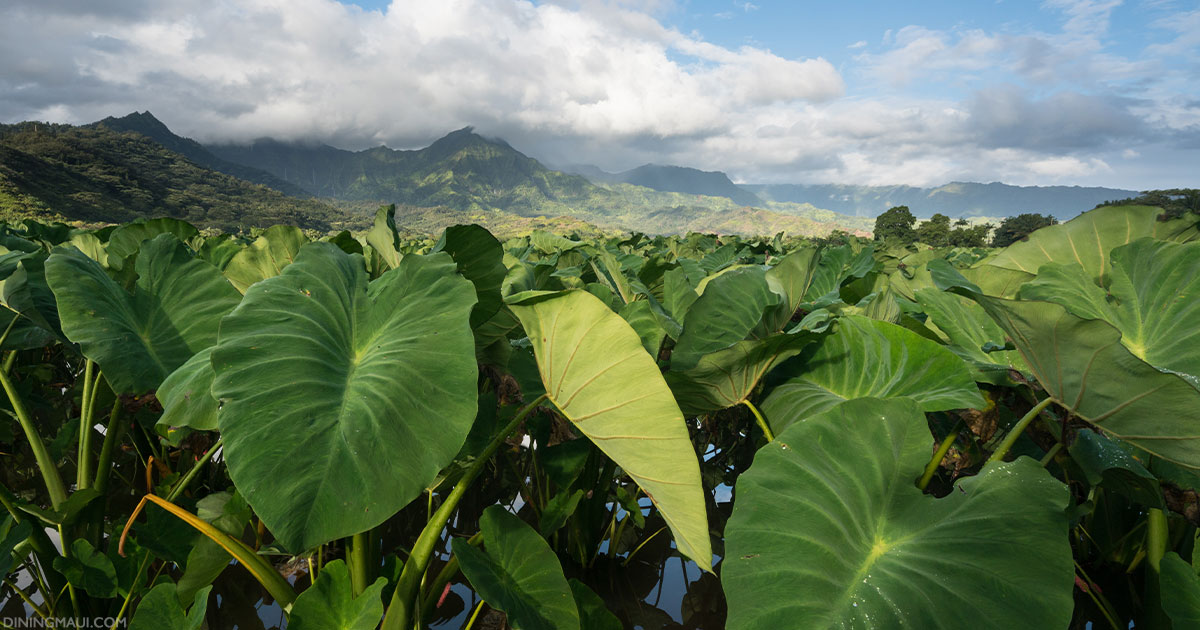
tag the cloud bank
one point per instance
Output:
(612, 84)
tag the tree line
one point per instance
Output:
(898, 223)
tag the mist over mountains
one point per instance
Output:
(102, 172)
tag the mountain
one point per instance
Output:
(146, 124)
(957, 199)
(675, 179)
(99, 175)
(466, 172)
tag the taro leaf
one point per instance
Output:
(346, 242)
(866, 358)
(972, 335)
(1106, 464)
(997, 281)
(518, 574)
(330, 603)
(88, 569)
(27, 292)
(128, 238)
(911, 274)
(70, 510)
(597, 373)
(138, 339)
(564, 462)
(1088, 238)
(266, 257)
(640, 316)
(1153, 298)
(480, 259)
(730, 307)
(382, 237)
(11, 535)
(187, 399)
(678, 294)
(548, 243)
(218, 250)
(160, 610)
(830, 531)
(207, 559)
(1083, 366)
(836, 266)
(342, 401)
(609, 271)
(593, 614)
(1179, 580)
(558, 510)
(725, 378)
(91, 246)
(791, 279)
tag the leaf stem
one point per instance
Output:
(357, 558)
(259, 567)
(938, 456)
(639, 547)
(471, 621)
(111, 434)
(1015, 432)
(400, 611)
(1156, 536)
(45, 463)
(183, 483)
(83, 477)
(762, 422)
(443, 577)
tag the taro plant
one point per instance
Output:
(550, 432)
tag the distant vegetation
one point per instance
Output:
(96, 175)
(1174, 202)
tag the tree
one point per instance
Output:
(966, 235)
(935, 231)
(1013, 229)
(898, 223)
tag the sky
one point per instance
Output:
(1072, 92)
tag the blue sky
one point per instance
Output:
(1088, 92)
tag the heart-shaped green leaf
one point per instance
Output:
(969, 330)
(867, 358)
(727, 377)
(383, 238)
(1180, 592)
(830, 531)
(730, 307)
(597, 373)
(160, 610)
(1088, 238)
(266, 256)
(88, 569)
(330, 603)
(480, 259)
(1152, 297)
(593, 613)
(139, 338)
(128, 238)
(518, 574)
(1084, 368)
(186, 398)
(342, 401)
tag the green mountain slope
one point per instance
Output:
(146, 124)
(467, 173)
(99, 175)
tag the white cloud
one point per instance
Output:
(316, 67)
(606, 82)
